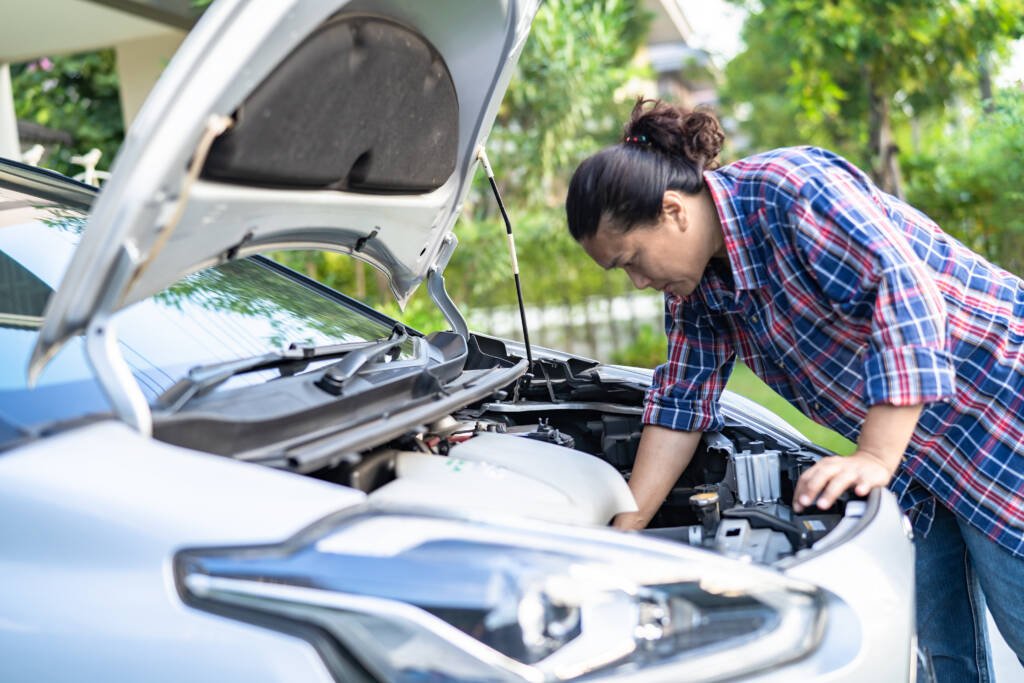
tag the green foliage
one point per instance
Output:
(833, 73)
(648, 350)
(745, 382)
(971, 181)
(76, 93)
(558, 109)
(559, 106)
(420, 313)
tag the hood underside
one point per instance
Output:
(298, 124)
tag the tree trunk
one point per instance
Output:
(884, 151)
(588, 327)
(892, 171)
(875, 105)
(382, 286)
(985, 81)
(360, 279)
(613, 324)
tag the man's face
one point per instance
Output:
(667, 255)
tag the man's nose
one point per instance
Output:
(639, 281)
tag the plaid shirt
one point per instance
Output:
(841, 297)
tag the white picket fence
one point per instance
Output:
(595, 327)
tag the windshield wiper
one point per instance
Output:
(202, 378)
(337, 377)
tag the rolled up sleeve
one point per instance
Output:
(686, 389)
(862, 261)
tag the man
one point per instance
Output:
(856, 308)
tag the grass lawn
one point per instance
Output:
(743, 381)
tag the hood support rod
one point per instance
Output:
(481, 154)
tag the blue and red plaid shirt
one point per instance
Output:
(841, 297)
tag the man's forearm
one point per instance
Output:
(886, 433)
(661, 457)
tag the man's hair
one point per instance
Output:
(664, 148)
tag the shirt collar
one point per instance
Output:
(717, 289)
(740, 241)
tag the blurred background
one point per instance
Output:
(925, 95)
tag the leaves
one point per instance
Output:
(835, 57)
(78, 94)
(970, 180)
(559, 107)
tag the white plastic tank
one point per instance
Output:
(515, 475)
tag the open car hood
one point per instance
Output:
(350, 126)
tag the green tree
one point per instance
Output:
(560, 105)
(74, 93)
(558, 109)
(848, 72)
(971, 179)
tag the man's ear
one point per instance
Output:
(674, 208)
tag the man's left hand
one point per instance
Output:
(829, 477)
(883, 440)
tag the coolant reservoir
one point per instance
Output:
(514, 475)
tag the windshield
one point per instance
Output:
(235, 310)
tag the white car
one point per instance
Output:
(215, 469)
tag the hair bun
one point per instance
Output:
(695, 135)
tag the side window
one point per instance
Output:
(23, 296)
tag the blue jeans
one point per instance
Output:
(958, 570)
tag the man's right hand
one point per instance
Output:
(661, 457)
(629, 521)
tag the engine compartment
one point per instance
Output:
(734, 497)
(398, 431)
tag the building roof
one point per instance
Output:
(52, 27)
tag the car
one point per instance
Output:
(214, 468)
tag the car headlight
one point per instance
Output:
(419, 596)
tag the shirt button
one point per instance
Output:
(780, 364)
(817, 406)
(754, 319)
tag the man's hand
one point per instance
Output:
(829, 477)
(629, 521)
(661, 457)
(883, 440)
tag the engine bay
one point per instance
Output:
(451, 430)
(571, 464)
